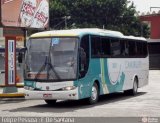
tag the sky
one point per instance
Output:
(144, 5)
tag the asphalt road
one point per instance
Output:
(145, 104)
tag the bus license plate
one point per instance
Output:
(47, 96)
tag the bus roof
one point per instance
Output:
(81, 32)
(135, 38)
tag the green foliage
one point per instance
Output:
(109, 14)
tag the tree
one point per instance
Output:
(109, 14)
(58, 10)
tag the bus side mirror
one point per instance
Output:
(20, 57)
(20, 54)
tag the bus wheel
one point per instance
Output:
(133, 91)
(94, 94)
(50, 102)
(135, 86)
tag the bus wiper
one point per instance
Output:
(49, 67)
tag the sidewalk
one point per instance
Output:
(19, 93)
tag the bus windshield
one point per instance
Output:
(51, 59)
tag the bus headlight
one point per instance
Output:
(68, 88)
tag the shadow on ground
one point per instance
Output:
(70, 106)
(11, 100)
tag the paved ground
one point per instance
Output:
(146, 103)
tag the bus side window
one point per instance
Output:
(124, 48)
(132, 48)
(96, 46)
(84, 56)
(139, 48)
(106, 48)
(115, 47)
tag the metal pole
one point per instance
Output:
(25, 36)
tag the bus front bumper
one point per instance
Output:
(49, 95)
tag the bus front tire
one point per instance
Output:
(50, 102)
(94, 94)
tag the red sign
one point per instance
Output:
(27, 8)
(25, 13)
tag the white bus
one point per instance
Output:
(84, 63)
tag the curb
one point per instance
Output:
(19, 85)
(9, 95)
